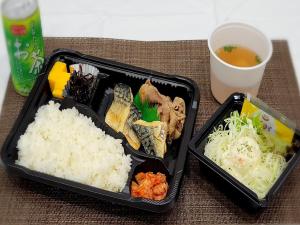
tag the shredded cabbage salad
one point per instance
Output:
(245, 150)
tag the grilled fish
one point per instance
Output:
(152, 136)
(129, 133)
(134, 115)
(119, 110)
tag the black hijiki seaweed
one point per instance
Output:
(81, 86)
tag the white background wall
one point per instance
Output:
(162, 20)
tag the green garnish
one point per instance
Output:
(149, 112)
(137, 102)
(258, 59)
(229, 48)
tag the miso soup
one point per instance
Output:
(238, 56)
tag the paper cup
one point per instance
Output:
(227, 79)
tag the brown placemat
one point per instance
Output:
(23, 201)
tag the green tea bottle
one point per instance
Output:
(24, 41)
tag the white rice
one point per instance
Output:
(67, 144)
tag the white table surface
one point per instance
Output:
(162, 20)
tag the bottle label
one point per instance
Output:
(25, 47)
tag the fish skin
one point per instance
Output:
(152, 136)
(123, 94)
(119, 110)
(122, 114)
(129, 133)
(146, 137)
(134, 115)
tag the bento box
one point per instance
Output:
(110, 78)
(223, 179)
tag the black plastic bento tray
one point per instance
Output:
(110, 73)
(236, 190)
